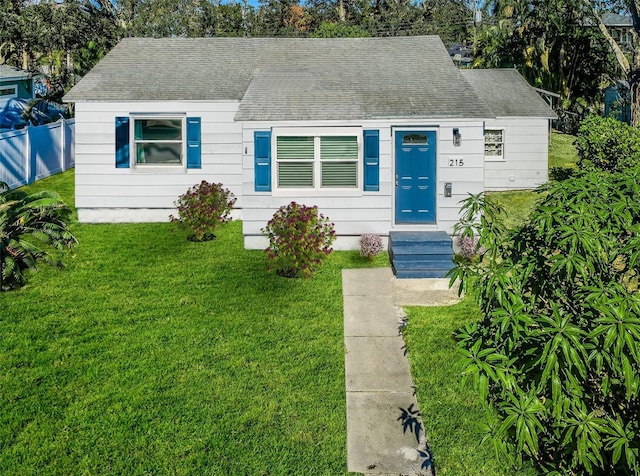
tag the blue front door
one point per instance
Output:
(415, 176)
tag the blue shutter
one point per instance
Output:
(371, 161)
(122, 143)
(262, 160)
(194, 148)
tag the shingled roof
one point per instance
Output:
(289, 78)
(8, 72)
(507, 93)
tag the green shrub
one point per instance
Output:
(32, 228)
(607, 144)
(202, 208)
(556, 356)
(299, 239)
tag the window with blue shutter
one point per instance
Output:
(193, 143)
(371, 161)
(122, 143)
(262, 160)
(158, 141)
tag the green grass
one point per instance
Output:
(562, 151)
(450, 410)
(518, 204)
(150, 354)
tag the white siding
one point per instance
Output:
(107, 194)
(355, 213)
(526, 154)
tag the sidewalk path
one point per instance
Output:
(379, 386)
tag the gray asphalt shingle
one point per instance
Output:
(11, 72)
(507, 93)
(289, 78)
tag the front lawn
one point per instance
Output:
(451, 411)
(151, 354)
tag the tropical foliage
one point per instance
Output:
(548, 43)
(556, 354)
(32, 228)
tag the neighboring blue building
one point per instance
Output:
(617, 101)
(15, 83)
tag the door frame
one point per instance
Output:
(413, 128)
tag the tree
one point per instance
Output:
(551, 44)
(451, 20)
(32, 228)
(339, 30)
(282, 18)
(11, 46)
(556, 356)
(630, 69)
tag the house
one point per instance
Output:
(461, 54)
(617, 101)
(381, 134)
(620, 28)
(15, 83)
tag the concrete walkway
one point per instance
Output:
(384, 427)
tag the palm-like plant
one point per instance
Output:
(33, 227)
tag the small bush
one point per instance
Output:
(469, 246)
(202, 208)
(603, 143)
(370, 245)
(299, 239)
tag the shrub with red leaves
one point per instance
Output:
(299, 239)
(202, 208)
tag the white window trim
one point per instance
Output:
(316, 132)
(493, 158)
(6, 97)
(155, 167)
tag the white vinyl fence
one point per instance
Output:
(33, 153)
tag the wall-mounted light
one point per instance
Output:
(447, 189)
(457, 137)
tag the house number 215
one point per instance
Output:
(456, 162)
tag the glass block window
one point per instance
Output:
(494, 144)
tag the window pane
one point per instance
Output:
(295, 174)
(493, 150)
(493, 136)
(7, 91)
(339, 148)
(415, 139)
(159, 153)
(294, 148)
(493, 142)
(158, 129)
(339, 174)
